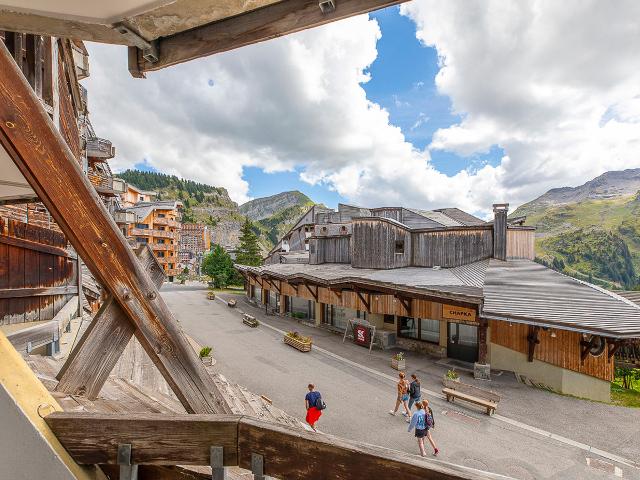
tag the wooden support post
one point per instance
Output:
(533, 340)
(337, 292)
(90, 363)
(313, 294)
(586, 347)
(614, 346)
(482, 342)
(406, 303)
(44, 159)
(366, 301)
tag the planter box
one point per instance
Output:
(207, 360)
(398, 364)
(211, 296)
(231, 303)
(446, 379)
(251, 321)
(297, 344)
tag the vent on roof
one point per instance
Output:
(327, 6)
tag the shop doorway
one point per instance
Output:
(462, 342)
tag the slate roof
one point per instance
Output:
(521, 291)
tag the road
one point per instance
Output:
(359, 395)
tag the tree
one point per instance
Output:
(219, 266)
(248, 253)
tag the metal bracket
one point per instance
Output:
(257, 466)
(216, 459)
(127, 470)
(149, 49)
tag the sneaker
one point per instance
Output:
(391, 412)
(407, 420)
(404, 414)
(436, 452)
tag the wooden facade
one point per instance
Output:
(380, 244)
(521, 243)
(37, 274)
(336, 249)
(451, 248)
(557, 347)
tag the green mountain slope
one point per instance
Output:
(593, 238)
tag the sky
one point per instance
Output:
(431, 104)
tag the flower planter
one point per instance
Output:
(211, 296)
(207, 360)
(250, 320)
(231, 303)
(446, 379)
(297, 344)
(398, 364)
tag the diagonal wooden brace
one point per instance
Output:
(36, 147)
(92, 360)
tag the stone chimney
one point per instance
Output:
(500, 211)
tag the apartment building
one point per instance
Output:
(195, 240)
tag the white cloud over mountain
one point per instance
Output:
(556, 87)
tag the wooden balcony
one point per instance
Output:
(100, 148)
(149, 232)
(124, 217)
(162, 247)
(166, 222)
(263, 447)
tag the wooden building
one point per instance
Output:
(450, 284)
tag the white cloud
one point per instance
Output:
(555, 86)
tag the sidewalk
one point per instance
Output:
(614, 430)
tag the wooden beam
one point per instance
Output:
(35, 246)
(38, 291)
(533, 340)
(275, 20)
(406, 303)
(89, 364)
(32, 141)
(287, 452)
(586, 347)
(155, 438)
(314, 294)
(613, 347)
(337, 292)
(366, 301)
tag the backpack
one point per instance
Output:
(428, 419)
(320, 405)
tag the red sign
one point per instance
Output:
(361, 335)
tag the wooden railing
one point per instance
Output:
(148, 232)
(166, 221)
(265, 448)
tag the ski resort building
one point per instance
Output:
(451, 285)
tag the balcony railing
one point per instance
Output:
(265, 448)
(100, 148)
(148, 232)
(124, 217)
(162, 246)
(168, 222)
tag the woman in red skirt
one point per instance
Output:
(311, 402)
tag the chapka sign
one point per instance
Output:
(453, 312)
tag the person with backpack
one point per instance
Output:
(430, 424)
(414, 390)
(419, 423)
(314, 404)
(402, 388)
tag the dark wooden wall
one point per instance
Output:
(37, 275)
(68, 121)
(451, 248)
(500, 232)
(374, 241)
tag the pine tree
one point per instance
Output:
(218, 265)
(248, 252)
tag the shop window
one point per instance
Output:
(399, 247)
(408, 327)
(430, 330)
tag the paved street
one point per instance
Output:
(359, 390)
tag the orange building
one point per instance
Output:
(156, 224)
(133, 195)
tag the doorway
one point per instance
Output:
(462, 342)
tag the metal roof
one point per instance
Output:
(461, 216)
(522, 290)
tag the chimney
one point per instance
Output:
(500, 211)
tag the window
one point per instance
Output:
(430, 330)
(399, 247)
(343, 229)
(142, 240)
(141, 198)
(142, 225)
(161, 215)
(408, 327)
(324, 229)
(424, 329)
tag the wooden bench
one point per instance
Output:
(471, 394)
(249, 320)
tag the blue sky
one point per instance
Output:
(403, 82)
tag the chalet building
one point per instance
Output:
(132, 195)
(195, 240)
(156, 224)
(450, 284)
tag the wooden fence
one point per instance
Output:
(263, 447)
(37, 274)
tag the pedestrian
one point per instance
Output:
(430, 424)
(414, 390)
(418, 421)
(314, 405)
(402, 397)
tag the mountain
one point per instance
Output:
(591, 231)
(271, 216)
(276, 214)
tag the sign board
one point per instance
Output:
(361, 335)
(453, 312)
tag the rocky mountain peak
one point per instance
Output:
(265, 207)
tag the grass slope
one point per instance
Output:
(597, 240)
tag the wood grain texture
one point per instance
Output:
(41, 154)
(281, 18)
(156, 439)
(92, 360)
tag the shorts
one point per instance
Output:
(421, 432)
(404, 398)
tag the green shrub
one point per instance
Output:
(205, 352)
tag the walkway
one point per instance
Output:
(359, 390)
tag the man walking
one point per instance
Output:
(314, 405)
